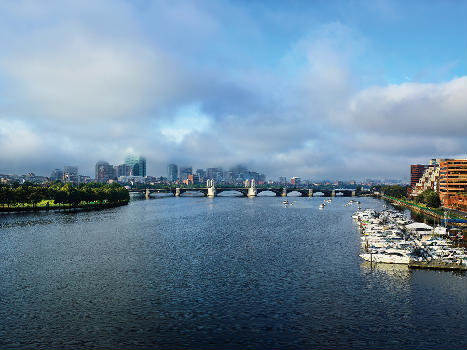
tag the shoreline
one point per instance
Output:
(56, 208)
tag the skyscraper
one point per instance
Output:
(122, 170)
(185, 171)
(201, 174)
(57, 174)
(70, 174)
(137, 165)
(104, 171)
(416, 172)
(172, 172)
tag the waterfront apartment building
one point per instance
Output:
(452, 181)
(429, 179)
(416, 172)
(104, 171)
(172, 172)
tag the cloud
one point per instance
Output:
(210, 84)
(85, 77)
(410, 109)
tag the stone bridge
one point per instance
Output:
(251, 191)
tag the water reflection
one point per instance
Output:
(398, 272)
(215, 273)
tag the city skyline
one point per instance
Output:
(321, 90)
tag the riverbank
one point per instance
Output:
(432, 212)
(62, 208)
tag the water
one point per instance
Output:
(223, 273)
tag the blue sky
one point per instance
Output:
(317, 89)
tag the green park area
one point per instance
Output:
(25, 197)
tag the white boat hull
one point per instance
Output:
(386, 258)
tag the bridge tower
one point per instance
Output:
(310, 192)
(211, 188)
(252, 189)
(284, 192)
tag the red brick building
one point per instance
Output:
(453, 183)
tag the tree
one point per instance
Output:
(430, 198)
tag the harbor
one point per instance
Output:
(390, 237)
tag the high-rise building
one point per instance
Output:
(201, 174)
(70, 174)
(172, 172)
(104, 171)
(56, 174)
(122, 170)
(416, 172)
(282, 180)
(452, 179)
(295, 181)
(192, 179)
(137, 165)
(216, 174)
(185, 171)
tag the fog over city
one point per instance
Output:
(320, 90)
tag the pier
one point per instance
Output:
(437, 265)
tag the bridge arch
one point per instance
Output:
(294, 193)
(267, 193)
(227, 192)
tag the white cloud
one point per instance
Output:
(410, 109)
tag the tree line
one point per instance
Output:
(62, 194)
(428, 197)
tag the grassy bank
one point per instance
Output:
(422, 208)
(47, 205)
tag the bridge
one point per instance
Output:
(252, 191)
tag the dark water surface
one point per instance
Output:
(223, 273)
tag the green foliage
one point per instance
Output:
(61, 194)
(396, 191)
(429, 198)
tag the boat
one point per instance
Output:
(389, 256)
(285, 202)
(321, 206)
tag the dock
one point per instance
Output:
(437, 265)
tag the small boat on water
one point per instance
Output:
(321, 206)
(285, 202)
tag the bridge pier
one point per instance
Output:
(333, 193)
(310, 193)
(211, 188)
(353, 193)
(177, 192)
(284, 192)
(147, 193)
(252, 189)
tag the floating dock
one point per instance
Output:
(437, 265)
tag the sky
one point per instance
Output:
(316, 89)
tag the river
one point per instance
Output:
(221, 273)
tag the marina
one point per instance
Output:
(390, 237)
